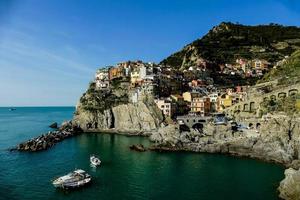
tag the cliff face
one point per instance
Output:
(136, 117)
(277, 141)
(111, 110)
(290, 186)
(130, 118)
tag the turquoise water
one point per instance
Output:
(124, 174)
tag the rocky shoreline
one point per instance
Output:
(46, 141)
(278, 141)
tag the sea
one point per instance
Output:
(123, 174)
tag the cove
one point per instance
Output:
(124, 174)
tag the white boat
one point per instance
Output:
(95, 161)
(72, 180)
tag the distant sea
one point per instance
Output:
(123, 174)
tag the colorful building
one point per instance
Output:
(188, 96)
(115, 72)
(134, 77)
(225, 101)
(200, 105)
(165, 105)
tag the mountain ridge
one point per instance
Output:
(228, 41)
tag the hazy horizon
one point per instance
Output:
(50, 50)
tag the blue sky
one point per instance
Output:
(50, 49)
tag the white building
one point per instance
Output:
(165, 105)
(102, 84)
(102, 74)
(213, 97)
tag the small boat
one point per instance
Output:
(12, 109)
(75, 179)
(95, 161)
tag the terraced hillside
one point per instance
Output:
(227, 41)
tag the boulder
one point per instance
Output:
(290, 186)
(138, 147)
(53, 125)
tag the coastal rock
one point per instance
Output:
(290, 186)
(134, 117)
(46, 141)
(53, 125)
(138, 147)
(131, 118)
(278, 140)
(166, 135)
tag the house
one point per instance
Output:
(115, 72)
(200, 105)
(102, 84)
(182, 107)
(213, 97)
(188, 96)
(260, 64)
(177, 98)
(102, 78)
(165, 105)
(102, 74)
(197, 83)
(225, 101)
(135, 77)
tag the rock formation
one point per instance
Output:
(131, 118)
(46, 141)
(278, 140)
(290, 186)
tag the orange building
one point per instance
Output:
(200, 105)
(115, 72)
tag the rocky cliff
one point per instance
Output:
(111, 110)
(131, 118)
(290, 186)
(277, 140)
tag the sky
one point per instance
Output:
(50, 49)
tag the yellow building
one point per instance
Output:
(225, 101)
(134, 77)
(177, 98)
(188, 96)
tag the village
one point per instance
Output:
(181, 95)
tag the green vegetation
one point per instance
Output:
(100, 100)
(228, 41)
(287, 73)
(287, 105)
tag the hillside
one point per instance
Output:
(227, 41)
(288, 72)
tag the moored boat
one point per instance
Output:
(75, 179)
(95, 161)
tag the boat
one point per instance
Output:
(12, 109)
(95, 161)
(75, 179)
